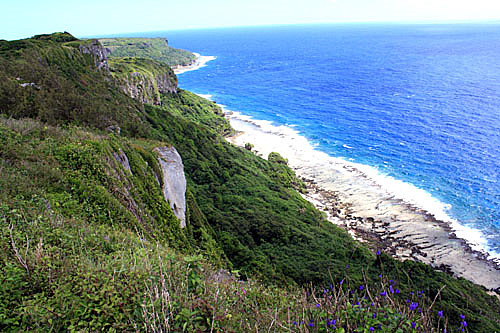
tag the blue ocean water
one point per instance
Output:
(420, 103)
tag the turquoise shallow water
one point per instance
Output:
(420, 103)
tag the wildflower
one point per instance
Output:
(378, 252)
(462, 316)
(317, 305)
(372, 329)
(380, 275)
(342, 281)
(361, 287)
(391, 289)
(440, 314)
(398, 291)
(331, 286)
(295, 323)
(383, 293)
(391, 281)
(464, 323)
(412, 324)
(374, 316)
(347, 266)
(413, 306)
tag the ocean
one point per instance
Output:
(413, 108)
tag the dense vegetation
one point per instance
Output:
(88, 245)
(150, 48)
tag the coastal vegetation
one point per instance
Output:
(88, 243)
(149, 48)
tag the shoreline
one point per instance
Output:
(198, 63)
(369, 214)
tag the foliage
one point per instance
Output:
(56, 83)
(87, 244)
(148, 78)
(150, 48)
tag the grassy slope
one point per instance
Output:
(57, 182)
(151, 48)
(67, 87)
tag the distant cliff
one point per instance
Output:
(150, 48)
(143, 79)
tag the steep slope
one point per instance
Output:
(143, 79)
(150, 48)
(87, 230)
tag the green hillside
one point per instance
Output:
(89, 244)
(151, 48)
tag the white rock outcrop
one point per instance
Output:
(174, 181)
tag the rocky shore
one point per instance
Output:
(432, 242)
(354, 201)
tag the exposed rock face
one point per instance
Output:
(122, 159)
(98, 51)
(167, 83)
(146, 88)
(174, 181)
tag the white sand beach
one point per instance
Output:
(200, 62)
(395, 216)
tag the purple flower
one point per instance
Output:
(372, 329)
(413, 306)
(374, 316)
(398, 291)
(295, 323)
(342, 281)
(361, 287)
(440, 314)
(347, 266)
(464, 323)
(378, 252)
(383, 293)
(331, 286)
(391, 289)
(412, 325)
(317, 305)
(462, 316)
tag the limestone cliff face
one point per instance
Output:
(147, 87)
(99, 53)
(174, 181)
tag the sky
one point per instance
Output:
(83, 18)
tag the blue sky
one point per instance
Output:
(24, 18)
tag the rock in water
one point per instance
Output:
(174, 181)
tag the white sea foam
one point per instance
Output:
(200, 62)
(370, 192)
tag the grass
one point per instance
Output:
(87, 245)
(151, 48)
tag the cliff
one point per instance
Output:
(93, 238)
(147, 48)
(143, 79)
(174, 181)
(100, 54)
